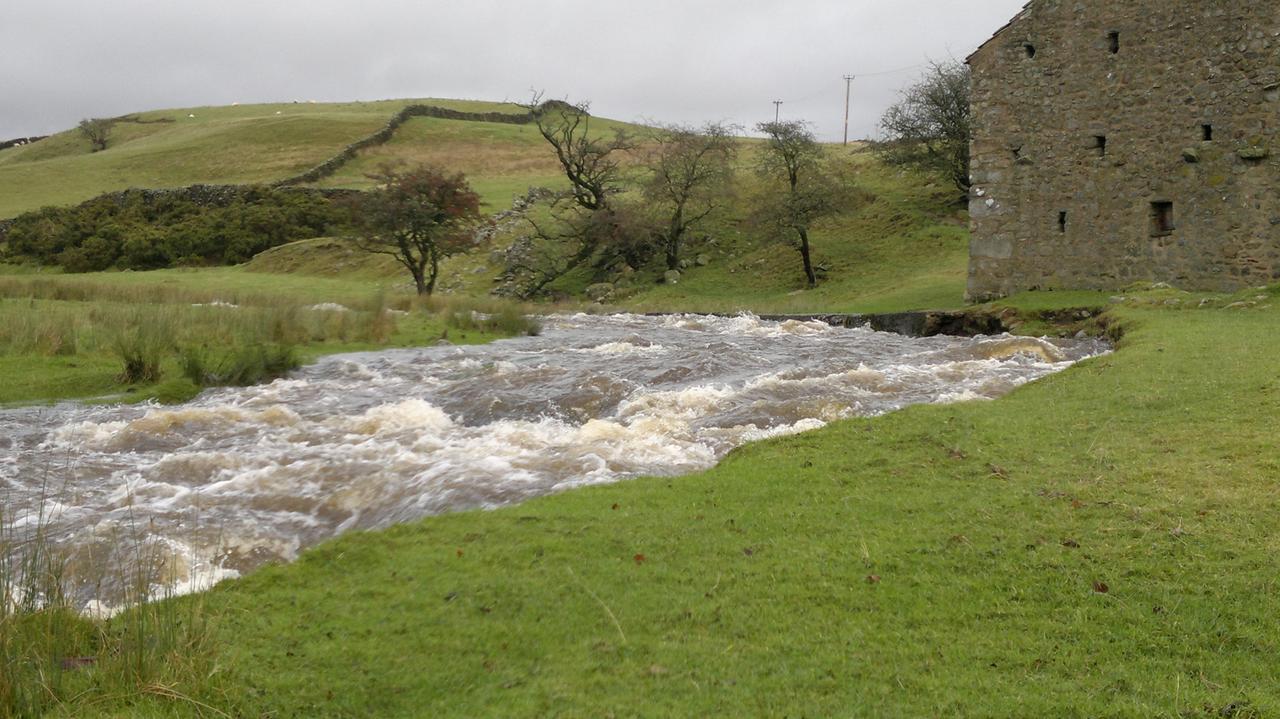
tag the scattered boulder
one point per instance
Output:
(703, 260)
(600, 291)
(671, 277)
(684, 264)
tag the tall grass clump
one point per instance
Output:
(496, 316)
(52, 658)
(26, 330)
(237, 366)
(142, 345)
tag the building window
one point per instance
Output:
(1161, 219)
(1030, 50)
(1062, 221)
(1100, 145)
(1206, 133)
(1113, 42)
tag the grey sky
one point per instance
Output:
(62, 60)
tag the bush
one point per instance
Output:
(143, 230)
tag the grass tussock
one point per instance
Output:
(496, 316)
(237, 366)
(53, 659)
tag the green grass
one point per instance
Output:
(501, 161)
(67, 336)
(220, 145)
(905, 248)
(939, 561)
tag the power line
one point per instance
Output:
(881, 73)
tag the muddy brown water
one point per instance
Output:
(240, 477)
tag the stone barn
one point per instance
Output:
(1117, 141)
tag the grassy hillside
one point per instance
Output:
(905, 246)
(501, 161)
(219, 145)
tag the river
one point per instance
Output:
(244, 476)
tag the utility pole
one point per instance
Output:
(777, 110)
(848, 89)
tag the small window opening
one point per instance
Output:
(1100, 145)
(1113, 42)
(1206, 133)
(1062, 221)
(1030, 49)
(1161, 219)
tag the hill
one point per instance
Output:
(904, 247)
(200, 145)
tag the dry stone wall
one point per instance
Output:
(1127, 140)
(19, 142)
(384, 135)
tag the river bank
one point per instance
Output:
(1090, 544)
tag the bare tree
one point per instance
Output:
(591, 161)
(97, 131)
(578, 221)
(929, 128)
(418, 216)
(691, 174)
(798, 190)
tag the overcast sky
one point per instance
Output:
(664, 60)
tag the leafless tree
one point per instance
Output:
(929, 128)
(591, 161)
(97, 131)
(798, 191)
(690, 176)
(584, 217)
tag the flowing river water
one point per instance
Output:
(240, 477)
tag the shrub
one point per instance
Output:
(145, 230)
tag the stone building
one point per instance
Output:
(1117, 141)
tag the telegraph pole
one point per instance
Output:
(848, 89)
(777, 110)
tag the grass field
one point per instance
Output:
(61, 335)
(501, 161)
(219, 145)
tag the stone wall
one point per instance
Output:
(19, 142)
(384, 135)
(1127, 140)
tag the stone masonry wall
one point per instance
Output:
(1185, 187)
